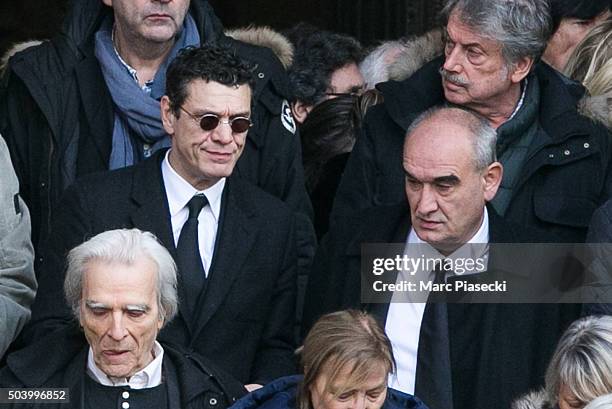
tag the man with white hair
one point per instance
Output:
(121, 285)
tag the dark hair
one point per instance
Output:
(209, 63)
(328, 131)
(300, 33)
(580, 9)
(317, 55)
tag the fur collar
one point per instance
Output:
(265, 37)
(14, 50)
(598, 108)
(416, 53)
(533, 400)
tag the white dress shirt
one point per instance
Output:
(403, 325)
(179, 193)
(148, 377)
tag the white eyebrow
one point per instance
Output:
(130, 307)
(137, 307)
(96, 305)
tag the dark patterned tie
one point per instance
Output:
(188, 257)
(433, 383)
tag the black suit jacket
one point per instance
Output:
(246, 316)
(498, 351)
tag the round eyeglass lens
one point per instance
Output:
(209, 122)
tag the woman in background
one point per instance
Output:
(346, 360)
(580, 369)
(328, 135)
(591, 64)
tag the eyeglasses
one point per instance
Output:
(208, 122)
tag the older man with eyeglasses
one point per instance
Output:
(233, 243)
(557, 167)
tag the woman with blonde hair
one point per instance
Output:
(591, 64)
(346, 360)
(580, 369)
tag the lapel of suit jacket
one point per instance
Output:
(499, 230)
(151, 213)
(235, 237)
(74, 380)
(389, 224)
(500, 259)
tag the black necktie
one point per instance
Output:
(188, 256)
(433, 383)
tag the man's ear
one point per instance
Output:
(167, 115)
(109, 3)
(300, 111)
(521, 69)
(492, 179)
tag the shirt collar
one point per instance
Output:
(521, 99)
(179, 191)
(148, 377)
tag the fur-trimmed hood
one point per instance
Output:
(265, 37)
(533, 400)
(416, 53)
(14, 50)
(598, 108)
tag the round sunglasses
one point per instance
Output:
(208, 122)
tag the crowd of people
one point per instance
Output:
(187, 214)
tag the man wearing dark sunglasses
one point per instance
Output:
(88, 101)
(234, 244)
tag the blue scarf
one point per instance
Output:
(137, 114)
